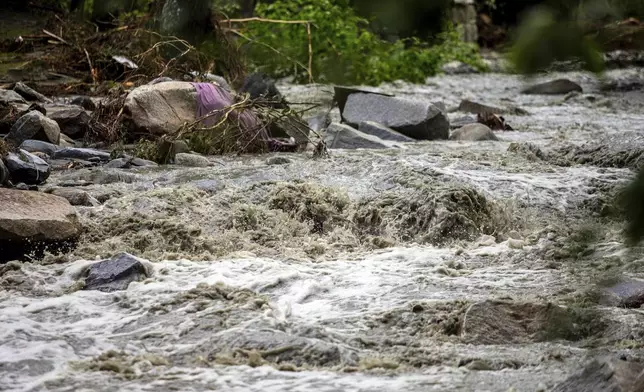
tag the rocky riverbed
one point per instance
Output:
(432, 266)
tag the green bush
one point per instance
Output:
(344, 49)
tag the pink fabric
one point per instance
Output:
(211, 98)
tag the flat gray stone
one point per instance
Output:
(473, 133)
(553, 87)
(10, 96)
(419, 120)
(39, 146)
(26, 167)
(86, 154)
(383, 132)
(343, 136)
(30, 94)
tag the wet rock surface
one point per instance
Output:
(115, 273)
(606, 374)
(39, 146)
(27, 168)
(473, 132)
(73, 122)
(554, 87)
(383, 132)
(87, 154)
(347, 137)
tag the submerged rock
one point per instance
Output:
(346, 137)
(416, 119)
(75, 197)
(33, 125)
(73, 122)
(473, 132)
(604, 375)
(554, 87)
(383, 132)
(277, 161)
(87, 154)
(128, 162)
(115, 274)
(35, 216)
(500, 322)
(30, 94)
(192, 160)
(26, 167)
(629, 294)
(39, 146)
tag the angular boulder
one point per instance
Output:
(383, 132)
(27, 168)
(604, 375)
(10, 96)
(345, 137)
(33, 125)
(30, 94)
(73, 122)
(473, 133)
(36, 216)
(75, 197)
(161, 108)
(553, 87)
(39, 146)
(86, 154)
(115, 274)
(416, 119)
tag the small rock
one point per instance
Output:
(554, 87)
(160, 79)
(115, 274)
(36, 216)
(479, 108)
(73, 122)
(486, 240)
(66, 141)
(22, 186)
(461, 122)
(345, 137)
(39, 146)
(10, 96)
(628, 294)
(75, 197)
(278, 161)
(383, 132)
(30, 94)
(515, 235)
(128, 162)
(419, 120)
(26, 167)
(84, 102)
(604, 375)
(457, 68)
(86, 154)
(193, 160)
(33, 125)
(479, 365)
(473, 133)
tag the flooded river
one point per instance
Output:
(427, 268)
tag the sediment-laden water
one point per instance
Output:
(371, 270)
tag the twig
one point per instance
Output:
(308, 34)
(91, 67)
(256, 19)
(55, 36)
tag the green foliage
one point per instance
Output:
(344, 50)
(542, 40)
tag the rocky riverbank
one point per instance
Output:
(463, 264)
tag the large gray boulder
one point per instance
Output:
(473, 133)
(27, 168)
(161, 108)
(343, 136)
(383, 132)
(73, 121)
(553, 87)
(36, 216)
(416, 119)
(604, 375)
(33, 125)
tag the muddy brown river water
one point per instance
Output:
(427, 268)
